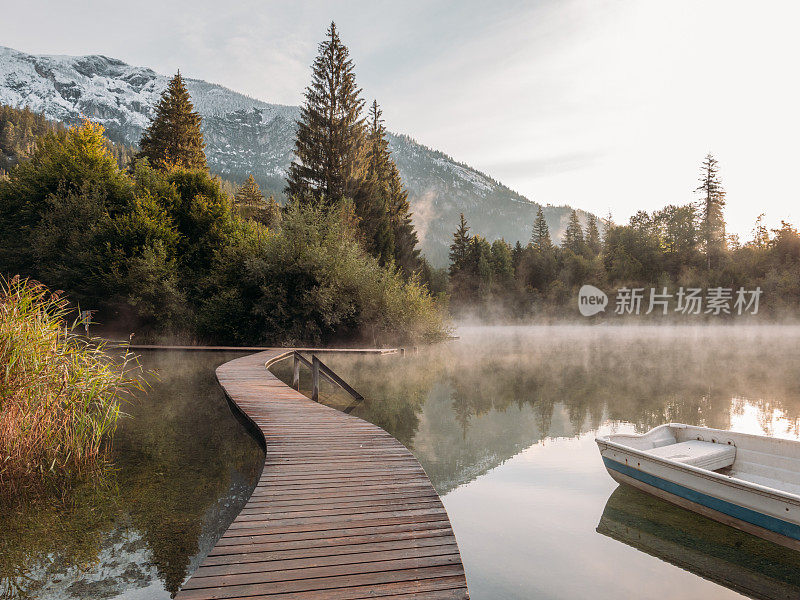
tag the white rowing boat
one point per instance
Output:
(750, 482)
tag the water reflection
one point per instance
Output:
(732, 558)
(483, 398)
(503, 422)
(182, 469)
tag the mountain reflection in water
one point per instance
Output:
(182, 469)
(503, 422)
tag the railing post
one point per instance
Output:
(315, 379)
(296, 376)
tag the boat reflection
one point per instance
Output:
(731, 558)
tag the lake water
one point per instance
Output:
(183, 468)
(503, 421)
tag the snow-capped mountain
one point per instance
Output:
(244, 135)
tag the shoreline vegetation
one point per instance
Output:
(60, 395)
(153, 244)
(157, 245)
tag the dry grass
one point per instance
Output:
(59, 394)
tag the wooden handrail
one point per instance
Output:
(320, 368)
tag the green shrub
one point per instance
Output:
(310, 281)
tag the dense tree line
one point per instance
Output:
(677, 246)
(20, 128)
(159, 247)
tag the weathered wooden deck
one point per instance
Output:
(342, 510)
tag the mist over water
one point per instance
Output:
(503, 420)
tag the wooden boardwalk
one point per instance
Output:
(342, 510)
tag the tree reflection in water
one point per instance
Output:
(472, 403)
(182, 467)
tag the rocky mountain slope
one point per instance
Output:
(244, 135)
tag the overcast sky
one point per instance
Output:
(603, 105)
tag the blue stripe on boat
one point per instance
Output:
(734, 510)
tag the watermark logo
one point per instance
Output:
(591, 300)
(686, 301)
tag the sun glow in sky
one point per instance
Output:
(603, 105)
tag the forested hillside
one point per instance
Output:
(158, 248)
(244, 135)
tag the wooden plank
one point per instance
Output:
(342, 510)
(224, 589)
(229, 544)
(451, 585)
(309, 560)
(355, 547)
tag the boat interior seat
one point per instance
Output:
(664, 437)
(704, 455)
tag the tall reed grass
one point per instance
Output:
(60, 394)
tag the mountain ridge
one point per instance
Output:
(245, 135)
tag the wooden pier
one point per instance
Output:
(342, 510)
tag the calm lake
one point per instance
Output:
(183, 468)
(503, 420)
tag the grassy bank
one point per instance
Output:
(60, 395)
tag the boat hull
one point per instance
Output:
(729, 513)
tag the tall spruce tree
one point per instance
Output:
(372, 198)
(406, 252)
(573, 236)
(593, 242)
(329, 162)
(540, 238)
(382, 203)
(712, 205)
(460, 248)
(173, 140)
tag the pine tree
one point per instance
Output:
(459, 249)
(608, 225)
(329, 164)
(573, 236)
(403, 234)
(251, 204)
(173, 140)
(593, 243)
(516, 255)
(382, 202)
(540, 238)
(249, 194)
(406, 252)
(713, 203)
(372, 198)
